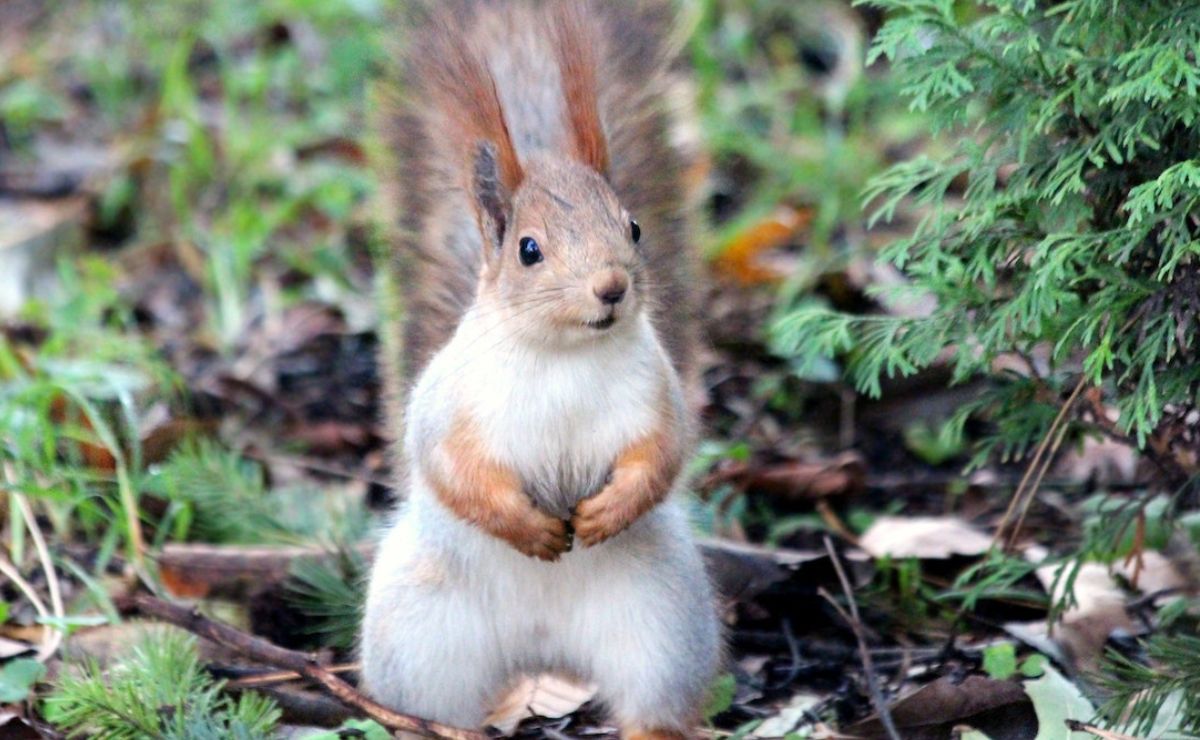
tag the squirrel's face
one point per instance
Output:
(569, 264)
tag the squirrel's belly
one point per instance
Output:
(429, 550)
(563, 444)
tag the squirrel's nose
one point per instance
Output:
(610, 286)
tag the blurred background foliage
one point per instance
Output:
(229, 142)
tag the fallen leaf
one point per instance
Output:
(890, 287)
(13, 727)
(741, 257)
(13, 648)
(795, 479)
(1093, 587)
(34, 234)
(1084, 637)
(1000, 709)
(1056, 700)
(1101, 462)
(1153, 574)
(17, 678)
(789, 717)
(923, 537)
(539, 696)
(1098, 609)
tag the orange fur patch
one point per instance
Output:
(457, 79)
(477, 488)
(577, 65)
(641, 478)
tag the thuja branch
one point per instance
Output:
(306, 665)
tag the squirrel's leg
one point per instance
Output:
(425, 645)
(642, 476)
(647, 633)
(469, 482)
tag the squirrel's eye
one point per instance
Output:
(529, 252)
(635, 230)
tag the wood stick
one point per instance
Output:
(856, 626)
(306, 665)
(259, 680)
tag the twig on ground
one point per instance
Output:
(54, 631)
(831, 519)
(794, 651)
(9, 571)
(1052, 437)
(302, 663)
(273, 677)
(56, 603)
(1075, 725)
(1037, 483)
(856, 626)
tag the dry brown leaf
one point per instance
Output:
(34, 234)
(923, 537)
(1098, 609)
(867, 274)
(1000, 709)
(1094, 588)
(96, 456)
(14, 727)
(13, 648)
(539, 696)
(788, 718)
(1083, 637)
(741, 258)
(795, 479)
(1154, 573)
(1100, 461)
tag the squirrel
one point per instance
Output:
(549, 325)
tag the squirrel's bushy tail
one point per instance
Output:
(588, 76)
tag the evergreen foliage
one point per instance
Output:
(1061, 230)
(217, 495)
(1073, 126)
(330, 592)
(161, 691)
(1166, 692)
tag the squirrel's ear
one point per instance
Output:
(492, 198)
(577, 64)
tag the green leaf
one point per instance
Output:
(934, 444)
(69, 625)
(1055, 699)
(1033, 666)
(721, 695)
(17, 678)
(368, 729)
(1000, 661)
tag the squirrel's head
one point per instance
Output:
(561, 253)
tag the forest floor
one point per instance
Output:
(190, 399)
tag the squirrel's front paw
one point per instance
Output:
(538, 535)
(603, 515)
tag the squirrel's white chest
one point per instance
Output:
(561, 421)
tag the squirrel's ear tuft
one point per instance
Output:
(492, 198)
(577, 65)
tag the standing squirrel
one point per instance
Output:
(549, 324)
